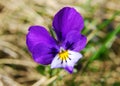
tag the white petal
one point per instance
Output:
(71, 61)
(56, 63)
(74, 56)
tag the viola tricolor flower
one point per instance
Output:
(62, 52)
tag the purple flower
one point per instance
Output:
(62, 52)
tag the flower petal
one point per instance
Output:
(56, 63)
(42, 46)
(67, 65)
(74, 56)
(38, 34)
(65, 20)
(69, 69)
(74, 41)
(44, 54)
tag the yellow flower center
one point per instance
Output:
(63, 55)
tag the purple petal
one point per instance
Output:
(74, 41)
(42, 46)
(65, 20)
(69, 69)
(44, 54)
(38, 34)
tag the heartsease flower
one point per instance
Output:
(62, 52)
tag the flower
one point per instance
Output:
(62, 52)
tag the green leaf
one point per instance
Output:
(41, 69)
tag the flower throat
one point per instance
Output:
(63, 55)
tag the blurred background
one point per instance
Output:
(100, 65)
